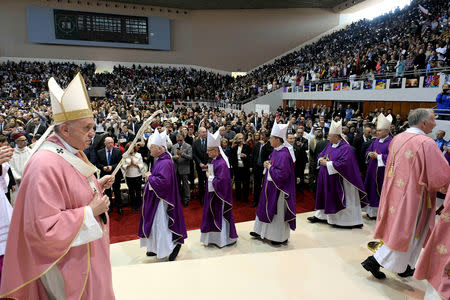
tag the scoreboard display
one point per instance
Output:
(99, 27)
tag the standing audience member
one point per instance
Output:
(182, 157)
(261, 153)
(107, 160)
(240, 161)
(201, 161)
(440, 142)
(133, 168)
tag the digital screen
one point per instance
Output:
(88, 26)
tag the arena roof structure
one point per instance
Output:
(239, 4)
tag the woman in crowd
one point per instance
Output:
(133, 168)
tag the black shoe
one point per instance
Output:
(372, 266)
(370, 218)
(120, 211)
(174, 253)
(315, 219)
(408, 272)
(254, 234)
(150, 254)
(254, 204)
(279, 243)
(359, 226)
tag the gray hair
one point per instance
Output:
(419, 115)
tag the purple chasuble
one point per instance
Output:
(283, 179)
(447, 156)
(330, 189)
(165, 188)
(375, 175)
(213, 210)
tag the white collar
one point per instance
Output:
(279, 147)
(335, 145)
(415, 130)
(382, 140)
(66, 145)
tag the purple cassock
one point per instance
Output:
(283, 179)
(330, 189)
(375, 174)
(165, 188)
(219, 202)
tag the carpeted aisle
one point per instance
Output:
(125, 227)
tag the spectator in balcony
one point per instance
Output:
(400, 67)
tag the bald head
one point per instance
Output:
(202, 132)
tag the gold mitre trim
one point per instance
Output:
(57, 99)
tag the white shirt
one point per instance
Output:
(415, 130)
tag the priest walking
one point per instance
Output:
(276, 212)
(434, 263)
(376, 155)
(339, 185)
(58, 241)
(218, 222)
(416, 170)
(161, 229)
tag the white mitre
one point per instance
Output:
(384, 122)
(279, 130)
(71, 104)
(158, 139)
(213, 140)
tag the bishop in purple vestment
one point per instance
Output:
(276, 212)
(376, 154)
(218, 222)
(339, 185)
(162, 228)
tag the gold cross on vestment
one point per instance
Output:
(442, 249)
(409, 154)
(392, 210)
(400, 182)
(445, 217)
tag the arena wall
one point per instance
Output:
(228, 40)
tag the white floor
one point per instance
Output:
(319, 262)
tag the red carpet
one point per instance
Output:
(125, 227)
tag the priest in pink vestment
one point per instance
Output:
(58, 247)
(434, 264)
(415, 171)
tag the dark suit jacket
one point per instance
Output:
(91, 152)
(116, 156)
(41, 129)
(357, 144)
(234, 158)
(199, 153)
(266, 151)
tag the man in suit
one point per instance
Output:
(201, 161)
(37, 127)
(316, 145)
(125, 136)
(107, 160)
(2, 124)
(182, 156)
(358, 145)
(91, 153)
(261, 152)
(301, 158)
(240, 161)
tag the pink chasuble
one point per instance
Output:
(48, 215)
(415, 171)
(434, 264)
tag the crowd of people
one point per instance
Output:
(406, 40)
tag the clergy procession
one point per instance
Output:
(54, 231)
